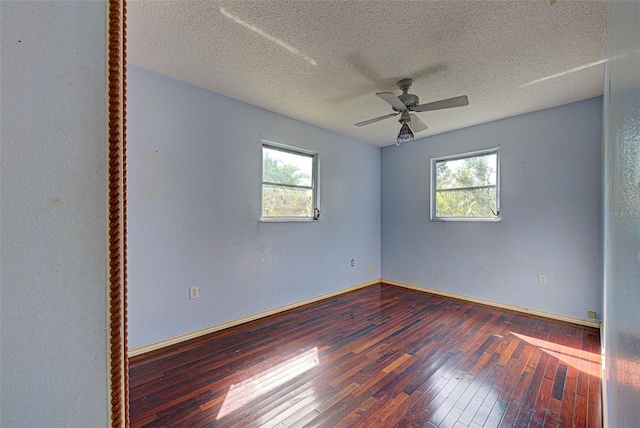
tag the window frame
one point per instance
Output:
(315, 181)
(434, 161)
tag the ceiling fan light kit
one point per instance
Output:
(405, 134)
(406, 103)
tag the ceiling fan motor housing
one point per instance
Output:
(409, 100)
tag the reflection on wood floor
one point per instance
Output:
(382, 356)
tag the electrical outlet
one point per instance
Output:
(193, 293)
(542, 279)
(370, 268)
(353, 262)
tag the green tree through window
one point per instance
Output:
(287, 184)
(466, 187)
(276, 171)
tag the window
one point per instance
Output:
(466, 187)
(289, 183)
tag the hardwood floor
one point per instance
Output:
(382, 356)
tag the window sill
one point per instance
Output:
(484, 219)
(288, 219)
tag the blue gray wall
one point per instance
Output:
(622, 216)
(550, 206)
(194, 208)
(53, 301)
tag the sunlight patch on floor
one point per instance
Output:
(250, 389)
(585, 361)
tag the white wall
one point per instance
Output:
(53, 292)
(194, 204)
(550, 206)
(622, 216)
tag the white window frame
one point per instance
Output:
(315, 188)
(434, 161)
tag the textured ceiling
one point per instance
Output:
(321, 62)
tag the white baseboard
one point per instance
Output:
(143, 349)
(510, 307)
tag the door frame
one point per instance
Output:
(118, 378)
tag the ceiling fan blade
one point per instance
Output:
(376, 119)
(392, 99)
(417, 125)
(460, 101)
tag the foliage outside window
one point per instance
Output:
(289, 183)
(466, 187)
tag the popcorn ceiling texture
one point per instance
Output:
(321, 62)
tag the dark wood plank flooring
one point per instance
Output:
(382, 356)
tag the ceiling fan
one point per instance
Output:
(406, 103)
